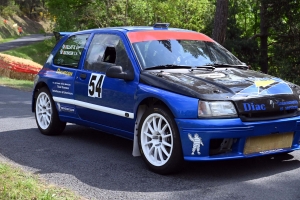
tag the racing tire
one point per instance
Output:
(159, 141)
(46, 115)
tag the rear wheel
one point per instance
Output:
(159, 141)
(46, 114)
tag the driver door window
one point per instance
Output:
(106, 50)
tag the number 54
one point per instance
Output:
(95, 85)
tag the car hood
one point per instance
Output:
(251, 91)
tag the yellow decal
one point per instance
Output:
(263, 83)
(64, 72)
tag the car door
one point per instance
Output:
(102, 100)
(61, 78)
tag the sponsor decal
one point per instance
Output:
(270, 151)
(66, 46)
(252, 106)
(69, 53)
(283, 105)
(65, 50)
(62, 108)
(68, 73)
(197, 142)
(62, 88)
(264, 87)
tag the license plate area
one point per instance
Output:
(268, 142)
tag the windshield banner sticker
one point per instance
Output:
(197, 142)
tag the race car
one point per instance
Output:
(178, 94)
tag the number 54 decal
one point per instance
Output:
(95, 85)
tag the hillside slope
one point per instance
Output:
(8, 26)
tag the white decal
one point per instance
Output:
(211, 75)
(58, 106)
(197, 142)
(62, 88)
(271, 151)
(112, 111)
(95, 85)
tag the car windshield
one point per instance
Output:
(177, 52)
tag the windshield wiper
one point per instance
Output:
(228, 65)
(169, 66)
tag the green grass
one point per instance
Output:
(17, 184)
(18, 84)
(37, 52)
(7, 39)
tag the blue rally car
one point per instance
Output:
(176, 93)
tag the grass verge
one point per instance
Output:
(17, 184)
(18, 84)
(7, 39)
(37, 52)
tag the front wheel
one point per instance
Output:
(159, 141)
(46, 115)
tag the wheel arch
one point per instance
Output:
(37, 87)
(151, 101)
(141, 109)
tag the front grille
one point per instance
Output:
(262, 116)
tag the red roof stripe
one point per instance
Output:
(166, 35)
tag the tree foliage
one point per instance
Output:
(262, 33)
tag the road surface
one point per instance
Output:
(23, 41)
(100, 166)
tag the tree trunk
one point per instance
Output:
(220, 22)
(263, 38)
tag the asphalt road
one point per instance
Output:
(23, 41)
(100, 166)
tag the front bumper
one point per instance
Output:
(236, 132)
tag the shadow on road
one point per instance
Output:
(105, 161)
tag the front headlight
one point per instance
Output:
(216, 109)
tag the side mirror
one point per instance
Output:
(117, 72)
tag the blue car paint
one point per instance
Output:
(190, 104)
(184, 108)
(232, 128)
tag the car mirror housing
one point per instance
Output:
(117, 72)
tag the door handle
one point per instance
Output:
(83, 76)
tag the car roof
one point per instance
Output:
(132, 29)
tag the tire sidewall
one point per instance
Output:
(51, 129)
(174, 162)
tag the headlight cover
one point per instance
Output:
(216, 109)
